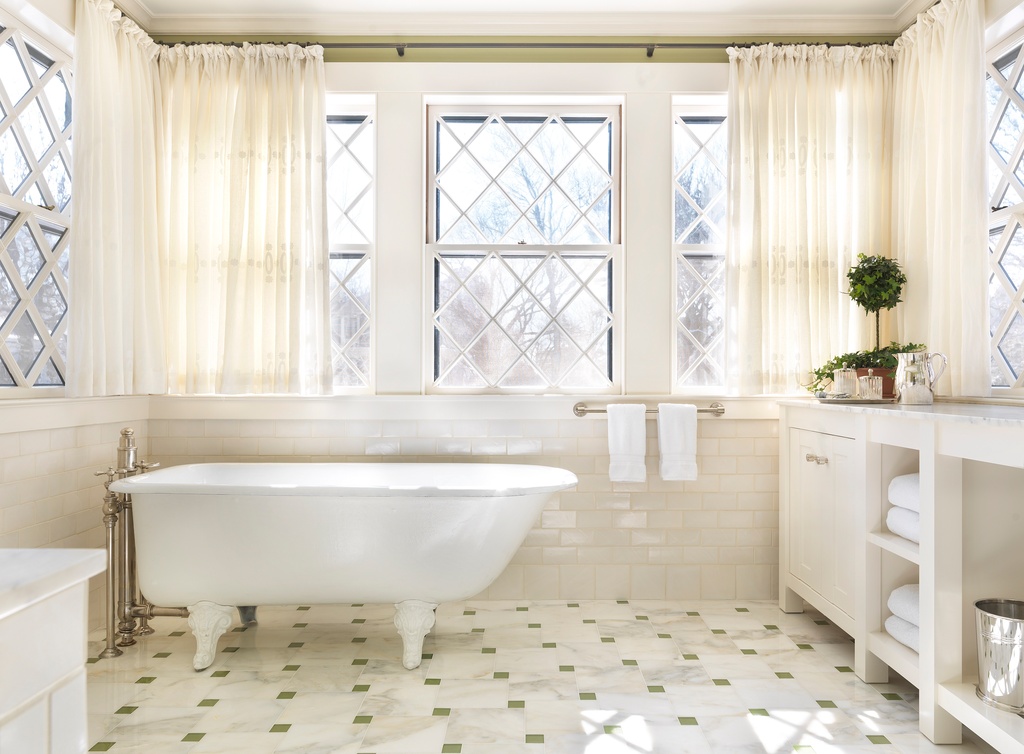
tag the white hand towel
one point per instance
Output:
(677, 440)
(905, 602)
(627, 442)
(906, 523)
(905, 491)
(904, 632)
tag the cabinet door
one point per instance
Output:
(843, 536)
(809, 486)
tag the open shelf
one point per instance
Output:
(897, 545)
(900, 658)
(1003, 730)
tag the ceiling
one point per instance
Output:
(534, 17)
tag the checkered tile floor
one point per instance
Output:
(597, 677)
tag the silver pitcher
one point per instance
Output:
(916, 375)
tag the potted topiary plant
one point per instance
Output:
(876, 283)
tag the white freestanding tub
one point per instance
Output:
(216, 535)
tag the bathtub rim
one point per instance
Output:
(164, 481)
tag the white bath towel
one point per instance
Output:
(905, 491)
(627, 442)
(904, 632)
(677, 440)
(904, 522)
(905, 603)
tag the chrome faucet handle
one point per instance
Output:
(145, 466)
(109, 474)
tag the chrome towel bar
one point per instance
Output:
(580, 409)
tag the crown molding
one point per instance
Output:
(501, 24)
(907, 15)
(138, 13)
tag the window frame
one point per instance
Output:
(614, 251)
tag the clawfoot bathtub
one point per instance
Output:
(221, 535)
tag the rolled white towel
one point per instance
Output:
(905, 523)
(905, 491)
(905, 603)
(627, 442)
(904, 632)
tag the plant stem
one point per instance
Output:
(878, 339)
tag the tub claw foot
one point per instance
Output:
(413, 619)
(208, 622)
(247, 615)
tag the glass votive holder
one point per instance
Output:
(844, 382)
(871, 388)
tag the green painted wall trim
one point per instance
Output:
(540, 54)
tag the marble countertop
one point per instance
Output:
(27, 576)
(969, 413)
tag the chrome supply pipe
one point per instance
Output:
(111, 507)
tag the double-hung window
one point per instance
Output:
(699, 168)
(35, 209)
(350, 221)
(523, 237)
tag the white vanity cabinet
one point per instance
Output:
(821, 515)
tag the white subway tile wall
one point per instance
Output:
(713, 538)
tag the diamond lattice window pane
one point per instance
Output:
(1011, 346)
(37, 132)
(50, 304)
(998, 303)
(1011, 126)
(52, 234)
(1012, 260)
(59, 97)
(702, 181)
(464, 180)
(25, 253)
(494, 146)
(524, 181)
(350, 319)
(50, 376)
(12, 72)
(493, 214)
(13, 165)
(463, 318)
(24, 344)
(8, 297)
(5, 376)
(584, 181)
(59, 180)
(553, 148)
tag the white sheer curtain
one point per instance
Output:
(209, 233)
(809, 158)
(939, 190)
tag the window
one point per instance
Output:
(350, 219)
(35, 208)
(699, 198)
(523, 233)
(1004, 86)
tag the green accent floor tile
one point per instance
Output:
(718, 631)
(548, 645)
(822, 623)
(656, 689)
(805, 646)
(826, 704)
(299, 625)
(476, 631)
(126, 710)
(286, 695)
(192, 737)
(441, 711)
(359, 620)
(361, 687)
(721, 682)
(642, 617)
(290, 668)
(749, 651)
(664, 636)
(451, 749)
(533, 625)
(102, 746)
(692, 614)
(573, 604)
(146, 679)
(427, 656)
(362, 719)
(500, 674)
(207, 702)
(162, 655)
(432, 682)
(238, 629)
(759, 712)
(742, 610)
(219, 673)
(690, 657)
(771, 627)
(468, 612)
(878, 739)
(687, 721)
(360, 661)
(357, 604)
(588, 696)
(621, 602)
(844, 668)
(516, 704)
(359, 640)
(610, 730)
(302, 607)
(488, 651)
(892, 697)
(280, 727)
(534, 738)
(176, 633)
(607, 640)
(589, 620)
(784, 676)
(566, 669)
(295, 644)
(230, 649)
(92, 660)
(522, 609)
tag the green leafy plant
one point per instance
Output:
(876, 283)
(881, 358)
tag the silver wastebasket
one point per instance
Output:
(1001, 653)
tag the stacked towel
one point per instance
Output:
(903, 624)
(677, 439)
(627, 442)
(904, 518)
